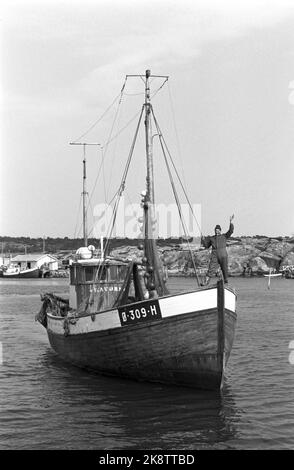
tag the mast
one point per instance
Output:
(84, 193)
(154, 279)
(148, 134)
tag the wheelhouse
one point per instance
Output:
(96, 286)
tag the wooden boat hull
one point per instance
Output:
(183, 348)
(28, 273)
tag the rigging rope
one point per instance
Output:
(125, 173)
(119, 96)
(119, 193)
(110, 138)
(106, 146)
(78, 214)
(122, 129)
(176, 133)
(92, 216)
(178, 176)
(158, 89)
(175, 194)
(103, 114)
(116, 119)
(128, 162)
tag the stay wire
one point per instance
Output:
(175, 194)
(120, 191)
(77, 220)
(179, 179)
(122, 129)
(124, 177)
(119, 96)
(158, 89)
(176, 132)
(117, 119)
(103, 150)
(105, 146)
(102, 116)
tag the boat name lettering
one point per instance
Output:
(104, 288)
(147, 311)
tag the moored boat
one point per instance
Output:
(273, 275)
(121, 320)
(30, 265)
(13, 272)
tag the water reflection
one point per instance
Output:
(113, 413)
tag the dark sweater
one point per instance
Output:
(218, 242)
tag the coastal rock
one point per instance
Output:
(258, 253)
(236, 266)
(278, 248)
(259, 266)
(288, 260)
(240, 255)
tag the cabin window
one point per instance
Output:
(112, 273)
(28, 265)
(121, 272)
(93, 274)
(89, 273)
(102, 274)
(80, 274)
(73, 275)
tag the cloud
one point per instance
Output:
(64, 55)
(163, 34)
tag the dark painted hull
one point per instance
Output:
(181, 350)
(30, 273)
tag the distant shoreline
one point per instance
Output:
(248, 256)
(54, 244)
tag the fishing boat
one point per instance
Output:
(120, 319)
(15, 272)
(31, 265)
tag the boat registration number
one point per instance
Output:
(146, 311)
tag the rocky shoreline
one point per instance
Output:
(246, 256)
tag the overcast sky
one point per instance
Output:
(228, 107)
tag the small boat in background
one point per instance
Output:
(270, 275)
(14, 271)
(30, 265)
(273, 275)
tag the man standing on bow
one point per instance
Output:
(219, 255)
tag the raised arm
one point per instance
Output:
(231, 228)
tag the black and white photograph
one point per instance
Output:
(147, 230)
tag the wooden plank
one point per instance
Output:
(184, 348)
(180, 350)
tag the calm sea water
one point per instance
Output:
(47, 404)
